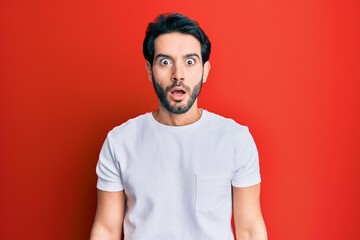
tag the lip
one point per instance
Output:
(177, 89)
(176, 96)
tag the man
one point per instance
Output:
(179, 172)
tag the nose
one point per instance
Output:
(178, 72)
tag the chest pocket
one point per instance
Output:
(211, 192)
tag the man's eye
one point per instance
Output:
(190, 61)
(165, 62)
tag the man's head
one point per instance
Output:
(177, 53)
(168, 23)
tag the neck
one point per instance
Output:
(165, 117)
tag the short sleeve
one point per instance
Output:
(108, 169)
(247, 172)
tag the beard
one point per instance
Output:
(177, 107)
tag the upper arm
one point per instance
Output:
(109, 215)
(249, 223)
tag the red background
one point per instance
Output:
(72, 70)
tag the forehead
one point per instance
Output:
(177, 44)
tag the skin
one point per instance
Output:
(249, 223)
(177, 73)
(177, 59)
(109, 216)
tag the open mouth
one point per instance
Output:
(178, 92)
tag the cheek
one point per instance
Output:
(161, 76)
(195, 75)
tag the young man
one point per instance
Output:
(178, 173)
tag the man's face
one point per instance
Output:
(177, 72)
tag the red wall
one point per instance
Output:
(72, 70)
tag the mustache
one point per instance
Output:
(178, 84)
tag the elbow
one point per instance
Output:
(260, 235)
(101, 232)
(255, 232)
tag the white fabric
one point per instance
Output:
(178, 180)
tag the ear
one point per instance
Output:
(206, 71)
(149, 71)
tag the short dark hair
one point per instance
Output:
(168, 23)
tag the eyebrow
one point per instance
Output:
(167, 56)
(192, 55)
(161, 55)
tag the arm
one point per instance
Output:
(249, 223)
(109, 216)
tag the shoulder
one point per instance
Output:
(225, 123)
(130, 127)
(228, 128)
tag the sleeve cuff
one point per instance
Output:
(109, 186)
(247, 181)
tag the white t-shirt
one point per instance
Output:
(177, 180)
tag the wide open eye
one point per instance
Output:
(190, 61)
(165, 61)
